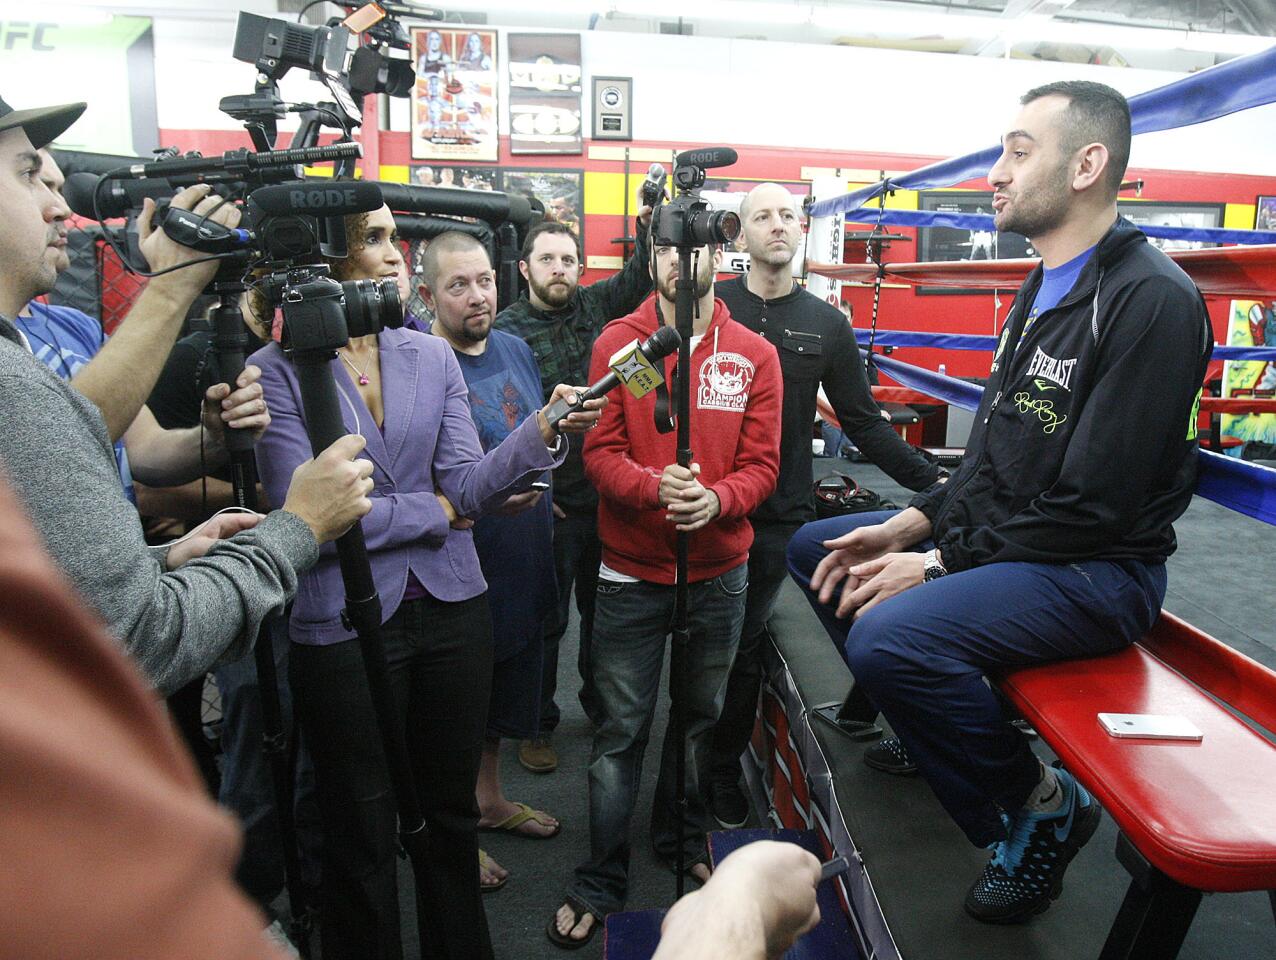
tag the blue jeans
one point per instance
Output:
(631, 621)
(922, 657)
(247, 789)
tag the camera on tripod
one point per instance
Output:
(687, 221)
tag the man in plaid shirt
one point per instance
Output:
(560, 319)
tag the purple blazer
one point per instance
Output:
(429, 442)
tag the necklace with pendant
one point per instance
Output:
(363, 377)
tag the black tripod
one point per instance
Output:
(314, 346)
(684, 308)
(230, 342)
(311, 356)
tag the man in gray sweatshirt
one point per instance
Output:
(177, 611)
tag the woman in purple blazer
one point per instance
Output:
(403, 391)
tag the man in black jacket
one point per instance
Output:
(1050, 541)
(560, 320)
(816, 346)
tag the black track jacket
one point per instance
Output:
(1084, 445)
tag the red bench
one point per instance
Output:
(1193, 817)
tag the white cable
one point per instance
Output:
(195, 532)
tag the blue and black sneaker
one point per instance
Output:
(1026, 870)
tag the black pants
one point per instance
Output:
(440, 661)
(767, 571)
(577, 554)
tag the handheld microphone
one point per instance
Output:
(653, 188)
(633, 365)
(334, 198)
(114, 199)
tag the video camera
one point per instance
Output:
(686, 220)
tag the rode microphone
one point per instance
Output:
(316, 198)
(113, 199)
(634, 365)
(706, 157)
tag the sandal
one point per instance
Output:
(515, 820)
(565, 940)
(488, 862)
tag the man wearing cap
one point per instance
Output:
(178, 610)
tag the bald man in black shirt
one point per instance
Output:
(816, 346)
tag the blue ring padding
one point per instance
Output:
(1238, 84)
(1236, 484)
(984, 222)
(970, 341)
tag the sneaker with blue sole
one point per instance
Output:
(1025, 874)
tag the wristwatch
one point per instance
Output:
(932, 568)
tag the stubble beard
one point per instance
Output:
(1043, 212)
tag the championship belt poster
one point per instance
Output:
(1252, 324)
(454, 102)
(545, 93)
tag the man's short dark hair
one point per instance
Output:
(548, 226)
(1096, 114)
(453, 241)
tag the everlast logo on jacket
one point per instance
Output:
(1047, 367)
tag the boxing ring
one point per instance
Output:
(798, 767)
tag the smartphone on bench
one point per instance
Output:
(1150, 726)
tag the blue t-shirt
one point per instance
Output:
(1055, 284)
(516, 552)
(64, 340)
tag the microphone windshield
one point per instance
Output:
(332, 198)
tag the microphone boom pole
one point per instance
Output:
(684, 304)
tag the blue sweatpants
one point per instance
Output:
(922, 657)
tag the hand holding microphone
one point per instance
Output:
(573, 409)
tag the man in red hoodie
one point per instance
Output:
(645, 500)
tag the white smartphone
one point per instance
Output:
(1149, 726)
(540, 485)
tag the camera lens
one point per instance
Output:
(716, 226)
(372, 305)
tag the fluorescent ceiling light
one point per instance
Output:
(874, 20)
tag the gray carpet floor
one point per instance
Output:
(1219, 580)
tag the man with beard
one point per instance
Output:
(646, 500)
(514, 541)
(560, 320)
(1050, 541)
(816, 346)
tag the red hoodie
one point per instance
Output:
(735, 437)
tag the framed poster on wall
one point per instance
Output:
(1265, 214)
(1158, 213)
(561, 191)
(946, 244)
(545, 88)
(444, 175)
(456, 95)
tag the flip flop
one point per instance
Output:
(490, 887)
(565, 940)
(511, 824)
